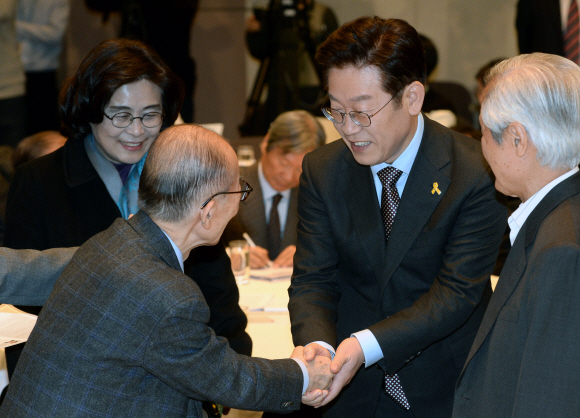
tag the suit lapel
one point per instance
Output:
(517, 259)
(418, 200)
(289, 237)
(361, 199)
(254, 213)
(155, 238)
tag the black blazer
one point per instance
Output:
(422, 295)
(251, 216)
(59, 200)
(539, 27)
(525, 360)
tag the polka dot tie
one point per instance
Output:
(390, 196)
(389, 203)
(395, 391)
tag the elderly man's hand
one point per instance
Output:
(319, 374)
(258, 257)
(286, 257)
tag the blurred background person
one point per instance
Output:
(284, 36)
(270, 218)
(40, 28)
(36, 146)
(113, 108)
(165, 26)
(550, 26)
(12, 80)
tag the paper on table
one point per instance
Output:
(15, 328)
(253, 302)
(273, 273)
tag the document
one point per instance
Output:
(272, 273)
(15, 326)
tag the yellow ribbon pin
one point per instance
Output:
(435, 188)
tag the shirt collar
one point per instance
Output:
(268, 191)
(177, 251)
(405, 161)
(518, 218)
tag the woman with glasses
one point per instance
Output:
(112, 109)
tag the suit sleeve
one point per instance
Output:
(314, 292)
(186, 354)
(28, 276)
(211, 270)
(550, 369)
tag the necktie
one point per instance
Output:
(389, 203)
(572, 34)
(390, 196)
(273, 229)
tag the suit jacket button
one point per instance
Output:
(287, 404)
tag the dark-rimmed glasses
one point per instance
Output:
(245, 190)
(124, 119)
(360, 118)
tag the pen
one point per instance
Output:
(251, 243)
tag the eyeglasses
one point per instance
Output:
(245, 190)
(360, 118)
(124, 119)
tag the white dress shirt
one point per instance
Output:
(518, 218)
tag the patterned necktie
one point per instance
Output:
(390, 196)
(273, 229)
(572, 34)
(389, 203)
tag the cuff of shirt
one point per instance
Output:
(370, 346)
(305, 374)
(325, 345)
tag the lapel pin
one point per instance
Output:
(435, 188)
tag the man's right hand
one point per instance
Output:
(258, 257)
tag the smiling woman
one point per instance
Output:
(113, 108)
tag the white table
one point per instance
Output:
(270, 331)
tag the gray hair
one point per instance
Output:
(542, 92)
(185, 165)
(296, 131)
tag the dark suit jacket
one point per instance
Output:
(422, 295)
(124, 333)
(539, 27)
(525, 360)
(251, 217)
(59, 200)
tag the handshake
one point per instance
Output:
(328, 377)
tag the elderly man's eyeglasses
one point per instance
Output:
(124, 119)
(245, 190)
(360, 118)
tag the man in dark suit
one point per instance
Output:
(125, 331)
(525, 361)
(270, 218)
(413, 289)
(540, 28)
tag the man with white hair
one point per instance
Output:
(124, 332)
(525, 359)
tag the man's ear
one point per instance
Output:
(415, 94)
(206, 214)
(517, 135)
(264, 143)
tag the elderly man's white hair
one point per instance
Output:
(185, 165)
(542, 92)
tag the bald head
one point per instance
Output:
(186, 165)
